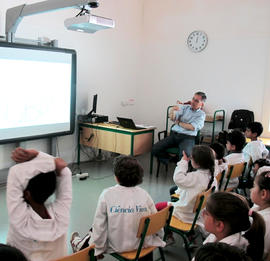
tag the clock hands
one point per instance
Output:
(197, 41)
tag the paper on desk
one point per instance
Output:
(144, 126)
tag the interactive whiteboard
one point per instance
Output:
(38, 92)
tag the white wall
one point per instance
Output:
(108, 61)
(232, 70)
(145, 57)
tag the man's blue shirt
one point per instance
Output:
(187, 115)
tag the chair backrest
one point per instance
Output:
(200, 204)
(250, 162)
(235, 171)
(169, 123)
(151, 224)
(156, 221)
(249, 168)
(220, 178)
(202, 198)
(169, 118)
(240, 119)
(86, 254)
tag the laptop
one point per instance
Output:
(128, 123)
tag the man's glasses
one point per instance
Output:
(195, 100)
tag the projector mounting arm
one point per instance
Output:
(15, 14)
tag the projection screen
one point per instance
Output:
(38, 92)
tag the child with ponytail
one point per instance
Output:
(219, 152)
(260, 195)
(227, 219)
(190, 184)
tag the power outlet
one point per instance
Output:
(82, 176)
(128, 102)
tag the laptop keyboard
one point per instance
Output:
(115, 122)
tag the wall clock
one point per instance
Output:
(197, 41)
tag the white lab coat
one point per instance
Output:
(190, 184)
(233, 158)
(256, 150)
(266, 216)
(263, 169)
(117, 219)
(234, 240)
(220, 167)
(39, 239)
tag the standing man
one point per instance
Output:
(188, 121)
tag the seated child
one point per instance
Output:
(11, 253)
(190, 184)
(118, 213)
(220, 162)
(235, 143)
(258, 164)
(260, 195)
(38, 229)
(258, 167)
(255, 149)
(220, 252)
(227, 219)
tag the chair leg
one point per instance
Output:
(166, 168)
(158, 166)
(187, 247)
(161, 254)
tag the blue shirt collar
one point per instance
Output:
(194, 110)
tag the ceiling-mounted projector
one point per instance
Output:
(88, 23)
(83, 22)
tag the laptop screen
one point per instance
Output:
(127, 123)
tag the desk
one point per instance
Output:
(114, 138)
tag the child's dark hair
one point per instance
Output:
(42, 186)
(204, 157)
(128, 171)
(237, 138)
(263, 180)
(262, 162)
(234, 212)
(255, 127)
(219, 150)
(219, 251)
(11, 253)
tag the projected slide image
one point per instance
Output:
(38, 92)
(35, 93)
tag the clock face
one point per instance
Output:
(197, 41)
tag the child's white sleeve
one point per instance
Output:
(182, 178)
(100, 227)
(265, 152)
(18, 178)
(63, 199)
(150, 203)
(247, 152)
